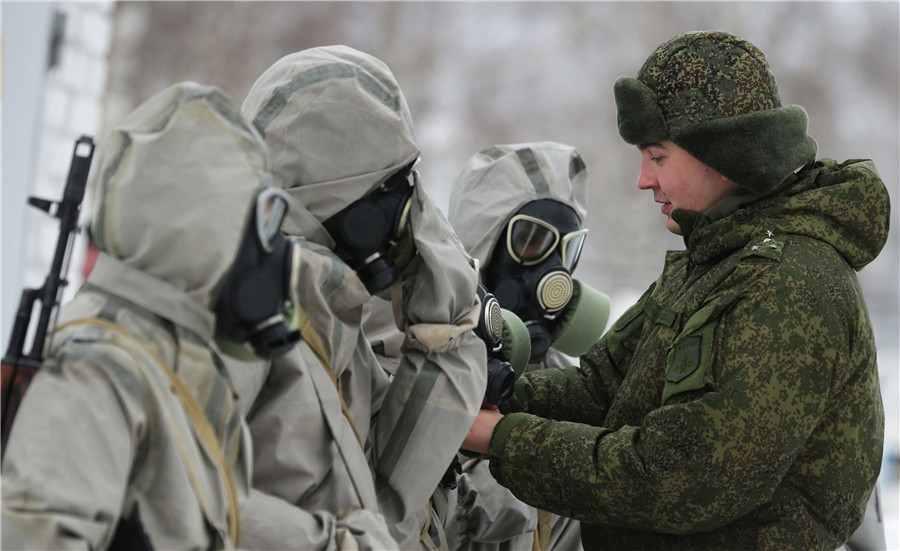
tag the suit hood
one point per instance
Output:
(497, 181)
(174, 189)
(336, 125)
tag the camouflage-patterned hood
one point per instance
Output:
(497, 181)
(843, 204)
(174, 188)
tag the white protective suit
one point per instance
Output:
(131, 416)
(480, 513)
(330, 429)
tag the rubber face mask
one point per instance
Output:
(256, 306)
(373, 234)
(530, 272)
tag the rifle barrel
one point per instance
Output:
(67, 212)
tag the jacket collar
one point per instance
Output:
(726, 226)
(154, 295)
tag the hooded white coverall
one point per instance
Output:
(481, 514)
(131, 416)
(333, 431)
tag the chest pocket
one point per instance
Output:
(688, 361)
(622, 337)
(627, 333)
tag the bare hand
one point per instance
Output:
(479, 438)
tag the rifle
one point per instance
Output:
(18, 367)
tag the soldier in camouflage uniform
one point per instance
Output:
(737, 404)
(130, 435)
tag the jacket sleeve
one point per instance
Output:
(69, 457)
(575, 393)
(427, 410)
(710, 451)
(310, 471)
(439, 384)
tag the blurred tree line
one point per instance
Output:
(480, 73)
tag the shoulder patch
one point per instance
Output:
(685, 358)
(688, 362)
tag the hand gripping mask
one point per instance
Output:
(530, 272)
(373, 235)
(256, 300)
(501, 376)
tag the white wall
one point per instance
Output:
(47, 108)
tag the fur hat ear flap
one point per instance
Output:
(639, 116)
(755, 150)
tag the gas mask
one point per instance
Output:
(530, 272)
(373, 235)
(255, 303)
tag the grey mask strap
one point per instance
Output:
(530, 164)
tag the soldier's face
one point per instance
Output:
(679, 181)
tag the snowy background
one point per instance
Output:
(474, 74)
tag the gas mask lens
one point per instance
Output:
(530, 241)
(403, 220)
(572, 243)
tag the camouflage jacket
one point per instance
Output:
(737, 404)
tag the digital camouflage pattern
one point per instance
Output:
(689, 75)
(737, 404)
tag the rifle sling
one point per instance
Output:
(201, 426)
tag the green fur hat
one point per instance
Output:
(713, 95)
